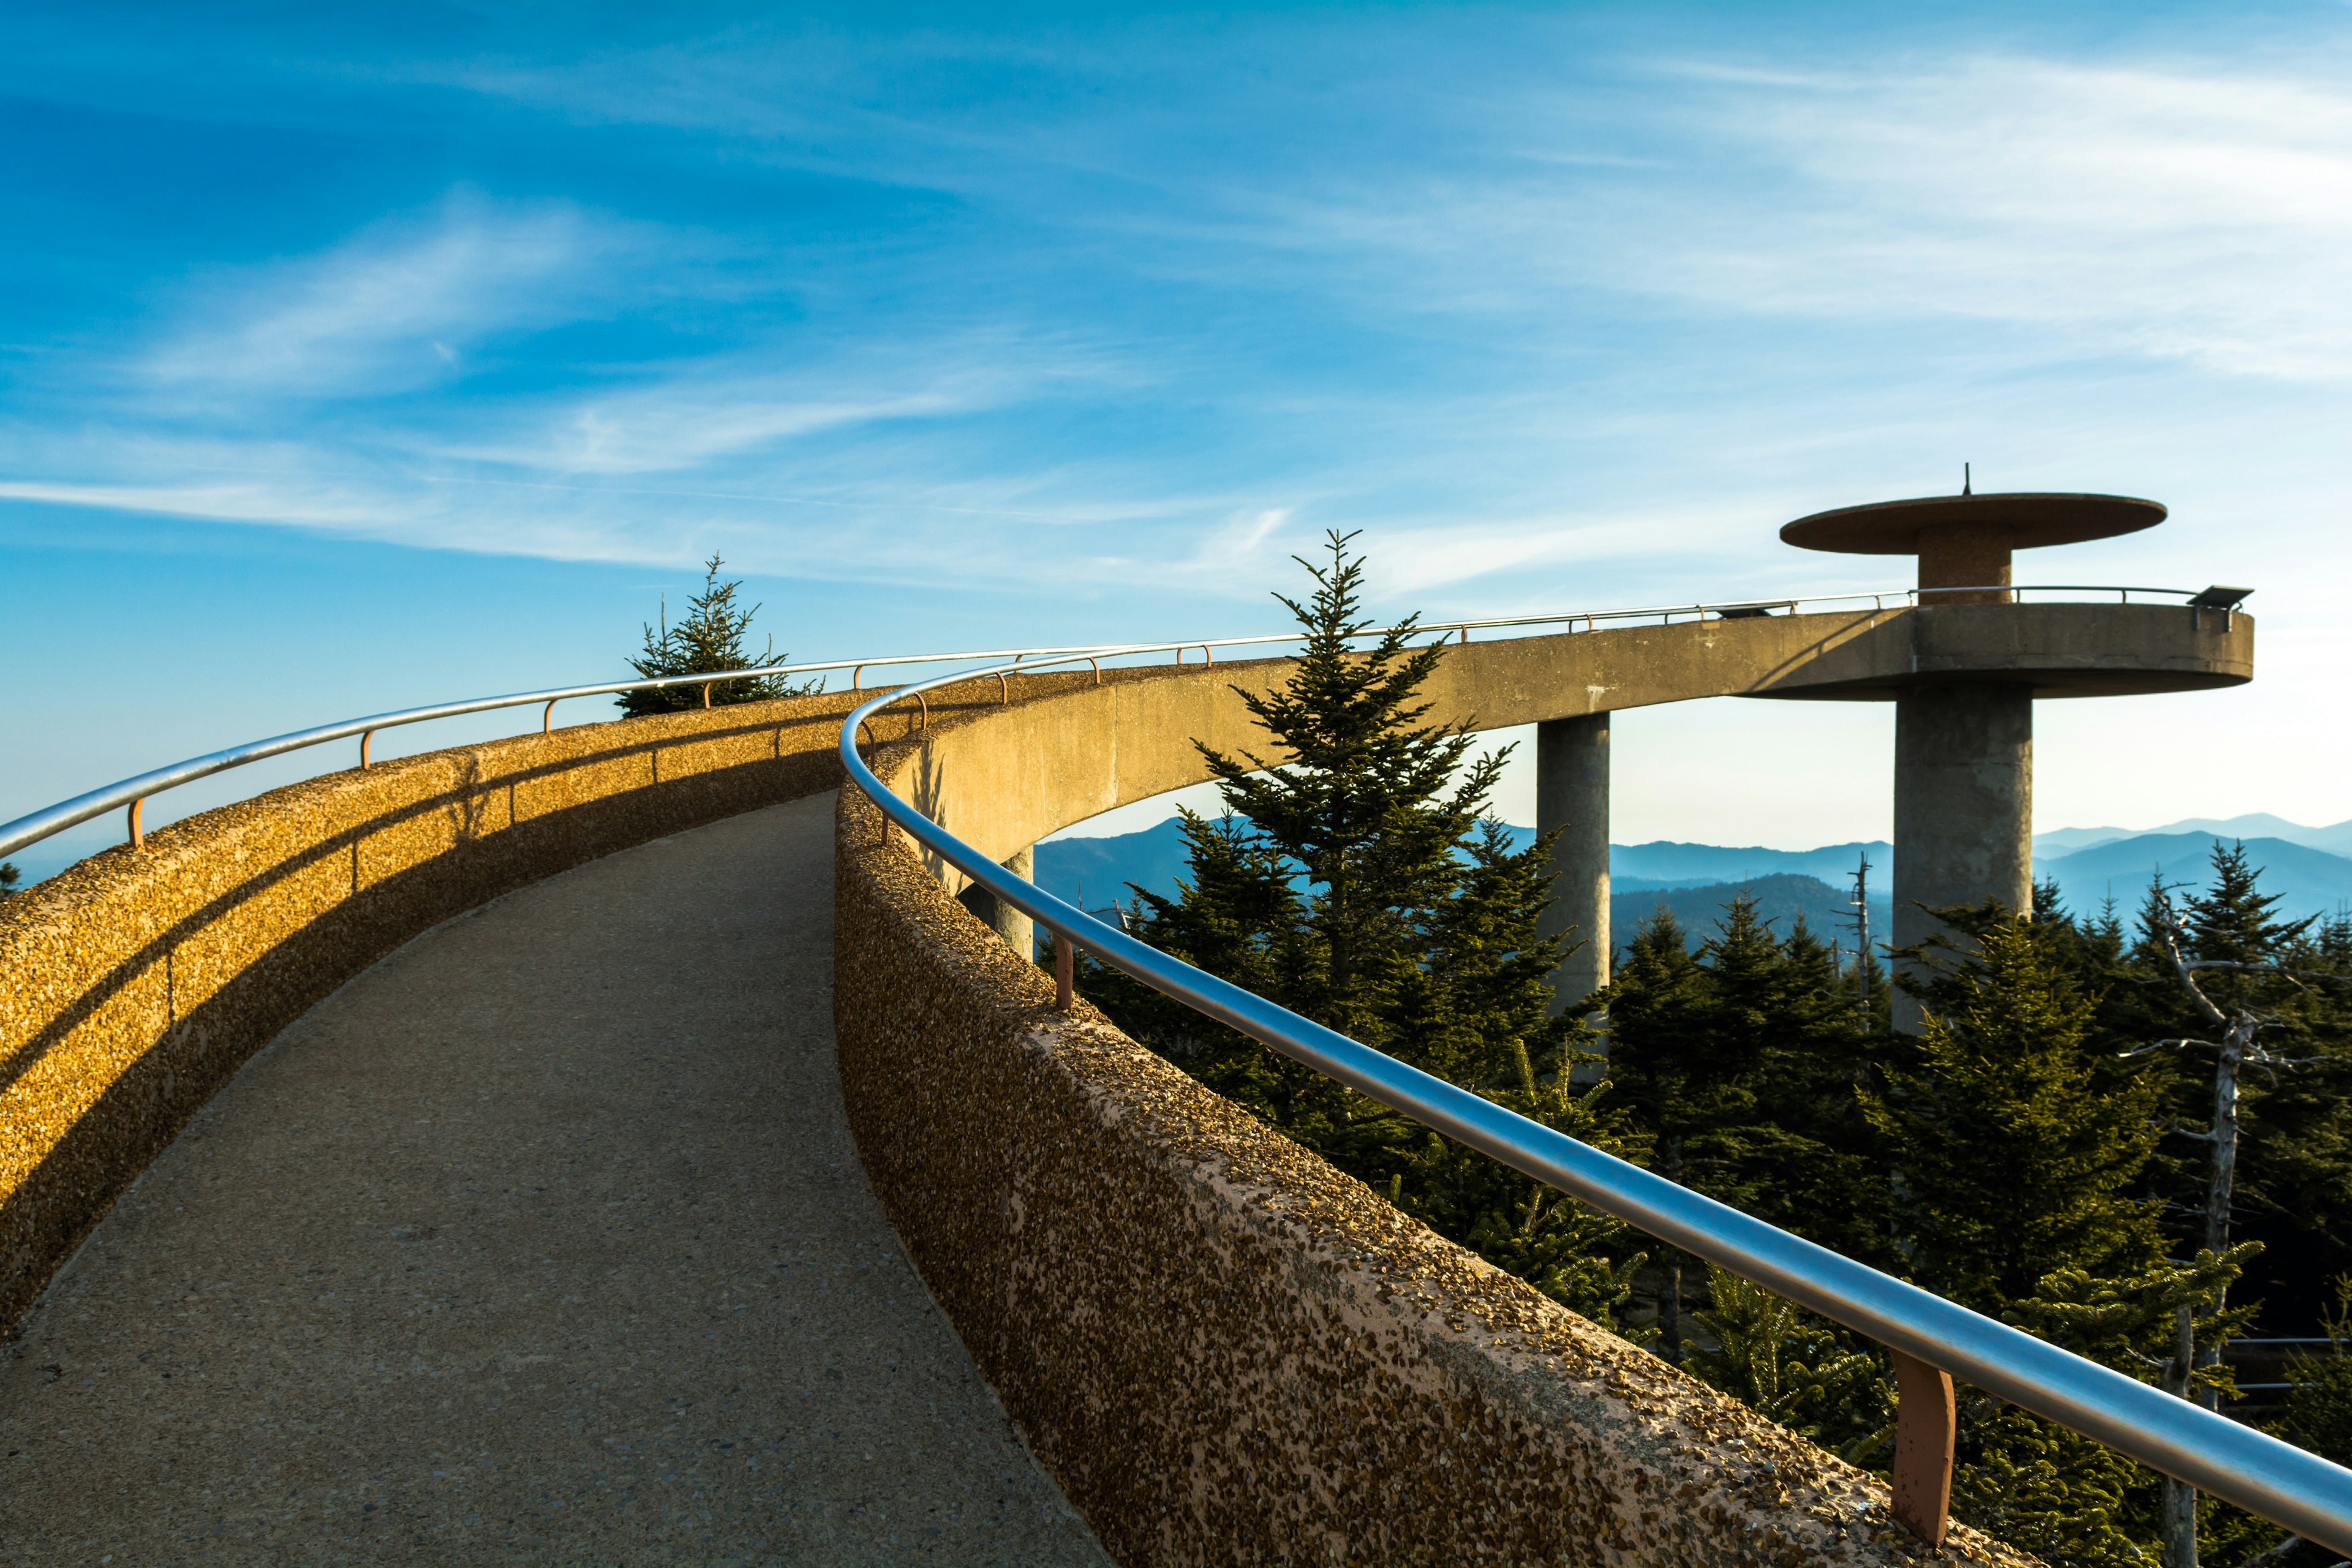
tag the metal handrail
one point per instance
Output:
(2272, 1479)
(132, 793)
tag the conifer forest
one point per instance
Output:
(2127, 1130)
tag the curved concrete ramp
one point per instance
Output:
(542, 1241)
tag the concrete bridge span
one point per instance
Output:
(1221, 1349)
(1963, 780)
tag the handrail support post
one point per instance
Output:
(138, 833)
(1925, 1424)
(365, 736)
(1064, 972)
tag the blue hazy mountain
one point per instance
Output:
(1694, 880)
(2336, 839)
(2309, 880)
(1094, 873)
(1668, 863)
(1155, 859)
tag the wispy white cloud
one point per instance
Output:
(400, 306)
(816, 516)
(678, 417)
(2162, 211)
(2169, 211)
(260, 499)
(656, 431)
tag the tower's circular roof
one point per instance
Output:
(1896, 527)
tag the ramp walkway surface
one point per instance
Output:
(543, 1240)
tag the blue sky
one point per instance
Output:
(354, 361)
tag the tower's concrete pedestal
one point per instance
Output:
(1963, 807)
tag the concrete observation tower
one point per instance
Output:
(1963, 667)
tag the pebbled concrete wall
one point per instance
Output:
(132, 984)
(1224, 1351)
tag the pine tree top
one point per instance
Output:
(2233, 920)
(712, 640)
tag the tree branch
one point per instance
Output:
(2271, 968)
(2274, 1553)
(2168, 928)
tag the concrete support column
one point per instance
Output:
(1572, 795)
(1963, 806)
(1018, 930)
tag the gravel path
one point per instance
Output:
(542, 1241)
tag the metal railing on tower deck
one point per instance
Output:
(1933, 1341)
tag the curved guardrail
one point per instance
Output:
(132, 793)
(1930, 1337)
(2259, 1473)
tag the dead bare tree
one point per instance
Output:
(2241, 1047)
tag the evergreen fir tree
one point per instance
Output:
(9, 876)
(1806, 1158)
(2020, 1150)
(2051, 1491)
(1790, 1366)
(2165, 1325)
(1517, 1223)
(2236, 921)
(2319, 1403)
(1357, 880)
(2235, 983)
(711, 640)
(1679, 1078)
(2015, 1159)
(1740, 1063)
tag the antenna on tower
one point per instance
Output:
(1967, 482)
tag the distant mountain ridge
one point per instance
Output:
(2308, 880)
(1155, 857)
(1666, 863)
(1094, 873)
(2334, 840)
(1694, 880)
